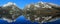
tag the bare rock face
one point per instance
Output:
(41, 12)
(10, 12)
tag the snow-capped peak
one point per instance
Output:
(9, 4)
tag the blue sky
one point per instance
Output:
(22, 3)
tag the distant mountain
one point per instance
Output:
(42, 12)
(10, 12)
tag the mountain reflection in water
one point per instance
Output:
(22, 20)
